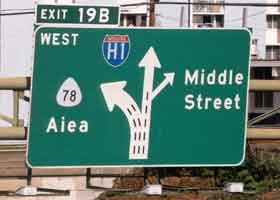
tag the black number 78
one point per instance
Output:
(69, 94)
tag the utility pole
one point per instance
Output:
(189, 13)
(151, 13)
(0, 36)
(182, 17)
(244, 17)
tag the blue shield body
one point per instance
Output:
(115, 49)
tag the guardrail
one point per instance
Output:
(252, 133)
(264, 85)
(15, 83)
(20, 84)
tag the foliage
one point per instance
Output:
(260, 171)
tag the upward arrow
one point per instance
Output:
(150, 61)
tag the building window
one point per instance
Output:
(208, 8)
(273, 52)
(273, 21)
(133, 20)
(208, 21)
(219, 21)
(262, 99)
(254, 48)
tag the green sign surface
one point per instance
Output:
(77, 14)
(138, 97)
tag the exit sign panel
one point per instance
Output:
(77, 14)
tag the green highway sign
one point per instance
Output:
(138, 97)
(77, 14)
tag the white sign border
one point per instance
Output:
(143, 165)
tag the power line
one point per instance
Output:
(209, 4)
(231, 20)
(17, 13)
(252, 15)
(0, 38)
(31, 10)
(17, 9)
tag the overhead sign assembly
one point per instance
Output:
(138, 97)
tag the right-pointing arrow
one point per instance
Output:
(169, 79)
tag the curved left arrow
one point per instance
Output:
(115, 95)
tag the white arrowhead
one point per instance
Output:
(112, 92)
(169, 77)
(150, 59)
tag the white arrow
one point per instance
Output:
(114, 94)
(169, 79)
(150, 62)
(139, 121)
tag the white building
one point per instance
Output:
(273, 31)
(217, 16)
